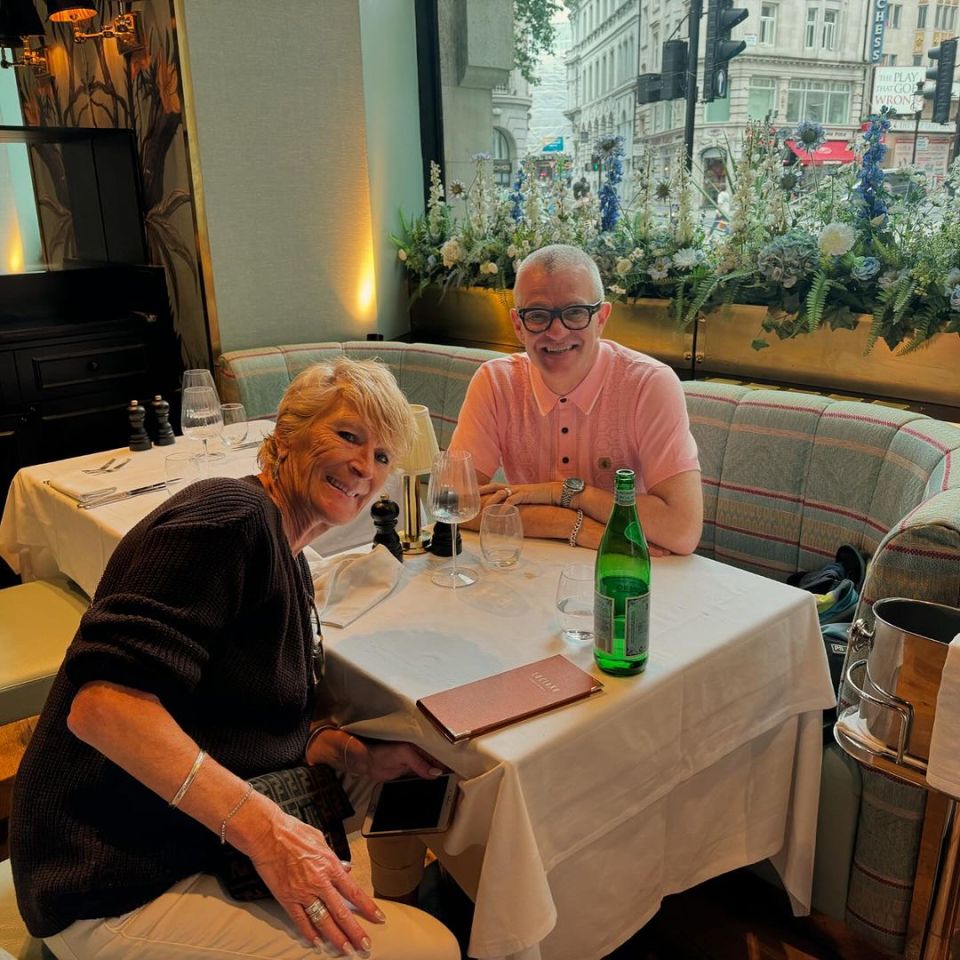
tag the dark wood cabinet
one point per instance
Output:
(75, 347)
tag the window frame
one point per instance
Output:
(831, 26)
(768, 24)
(811, 27)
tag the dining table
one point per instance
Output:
(572, 826)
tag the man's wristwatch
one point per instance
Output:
(571, 487)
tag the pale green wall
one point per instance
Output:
(388, 37)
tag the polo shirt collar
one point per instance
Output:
(584, 395)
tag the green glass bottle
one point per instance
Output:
(621, 609)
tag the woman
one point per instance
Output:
(195, 668)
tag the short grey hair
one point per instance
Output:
(558, 257)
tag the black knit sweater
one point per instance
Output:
(203, 605)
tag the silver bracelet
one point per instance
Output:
(234, 809)
(575, 532)
(346, 756)
(188, 781)
(314, 733)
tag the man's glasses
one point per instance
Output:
(575, 317)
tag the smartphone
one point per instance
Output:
(411, 805)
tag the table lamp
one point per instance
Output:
(417, 462)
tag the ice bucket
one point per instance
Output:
(899, 679)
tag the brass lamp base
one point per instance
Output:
(413, 545)
(413, 539)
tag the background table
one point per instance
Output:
(574, 825)
(43, 533)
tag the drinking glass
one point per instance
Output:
(575, 602)
(180, 470)
(454, 497)
(234, 424)
(501, 534)
(200, 417)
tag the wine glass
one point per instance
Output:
(200, 417)
(234, 424)
(454, 497)
(501, 534)
(198, 378)
(575, 602)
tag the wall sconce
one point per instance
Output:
(418, 462)
(18, 23)
(124, 27)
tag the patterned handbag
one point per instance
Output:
(311, 794)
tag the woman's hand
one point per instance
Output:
(380, 760)
(301, 870)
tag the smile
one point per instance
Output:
(564, 348)
(337, 485)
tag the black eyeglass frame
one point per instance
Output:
(591, 309)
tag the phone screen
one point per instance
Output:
(410, 804)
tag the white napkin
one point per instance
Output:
(82, 486)
(943, 767)
(349, 585)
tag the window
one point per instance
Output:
(718, 110)
(768, 23)
(810, 35)
(921, 17)
(945, 18)
(894, 12)
(820, 100)
(761, 97)
(888, 60)
(918, 60)
(502, 166)
(830, 18)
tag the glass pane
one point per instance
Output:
(20, 248)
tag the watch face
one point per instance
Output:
(574, 485)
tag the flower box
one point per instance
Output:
(829, 360)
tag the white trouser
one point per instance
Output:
(196, 920)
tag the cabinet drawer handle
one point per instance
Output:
(93, 366)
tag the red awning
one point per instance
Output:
(831, 151)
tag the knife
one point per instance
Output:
(124, 494)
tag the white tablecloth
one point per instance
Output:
(574, 825)
(943, 767)
(43, 533)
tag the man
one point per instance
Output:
(562, 417)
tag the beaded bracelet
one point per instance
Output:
(188, 780)
(575, 532)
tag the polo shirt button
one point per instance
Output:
(564, 429)
(565, 460)
(563, 399)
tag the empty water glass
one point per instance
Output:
(575, 603)
(501, 534)
(180, 470)
(234, 424)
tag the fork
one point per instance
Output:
(103, 468)
(116, 466)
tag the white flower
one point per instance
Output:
(837, 239)
(617, 290)
(951, 280)
(451, 252)
(686, 259)
(624, 266)
(636, 253)
(512, 251)
(488, 266)
(516, 265)
(401, 254)
(659, 269)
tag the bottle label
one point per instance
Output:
(636, 635)
(625, 498)
(633, 629)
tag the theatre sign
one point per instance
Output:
(896, 88)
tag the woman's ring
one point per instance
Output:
(317, 911)
(508, 491)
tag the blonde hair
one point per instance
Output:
(556, 258)
(365, 385)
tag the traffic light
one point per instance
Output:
(942, 77)
(673, 86)
(648, 87)
(722, 17)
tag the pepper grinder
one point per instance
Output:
(441, 541)
(385, 513)
(161, 412)
(139, 439)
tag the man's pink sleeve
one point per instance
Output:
(663, 429)
(476, 429)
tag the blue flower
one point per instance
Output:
(517, 196)
(865, 268)
(809, 135)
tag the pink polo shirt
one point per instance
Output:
(629, 412)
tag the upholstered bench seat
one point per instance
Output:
(37, 623)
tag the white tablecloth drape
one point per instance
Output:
(574, 825)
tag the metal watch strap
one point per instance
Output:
(575, 532)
